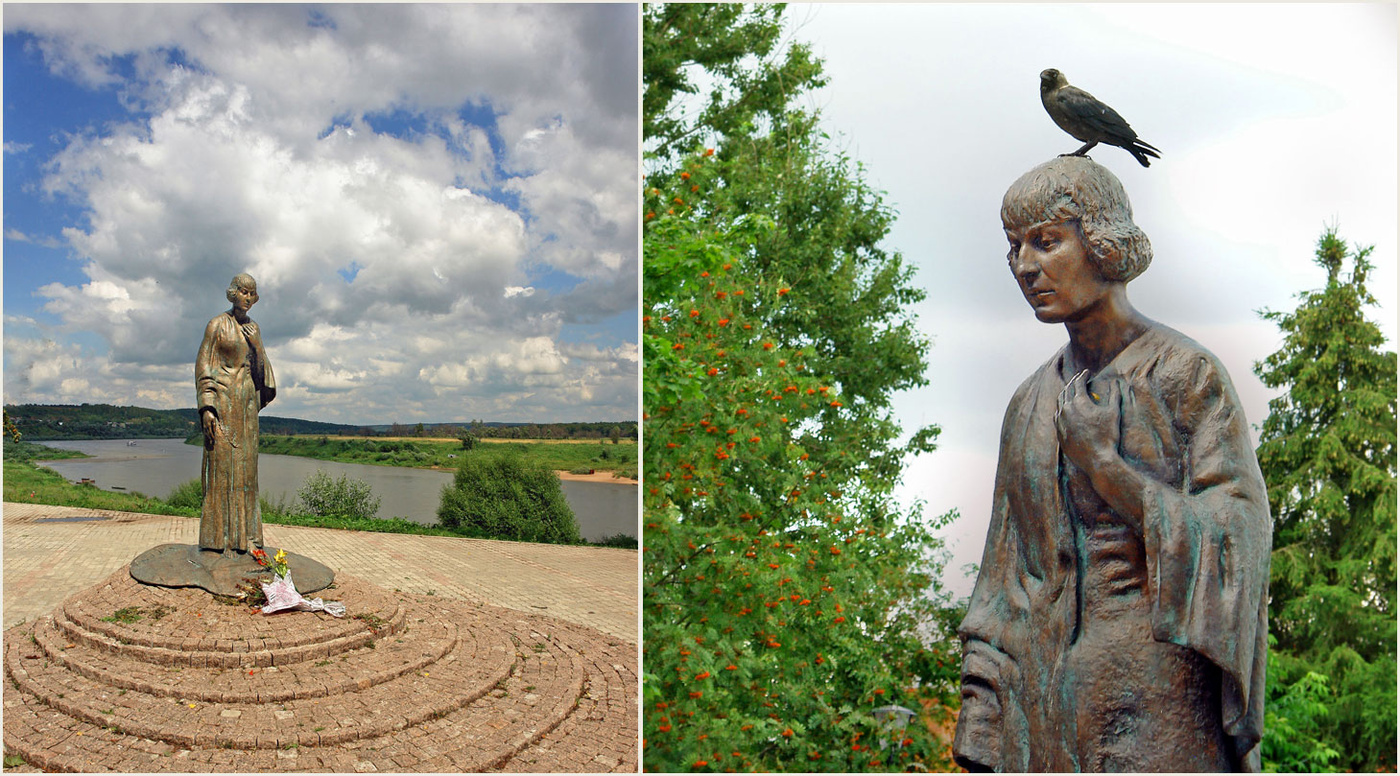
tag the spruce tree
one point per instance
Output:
(1327, 451)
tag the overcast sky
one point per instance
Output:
(1273, 121)
(439, 204)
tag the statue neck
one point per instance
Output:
(1103, 332)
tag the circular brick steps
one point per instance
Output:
(129, 677)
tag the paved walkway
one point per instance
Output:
(51, 553)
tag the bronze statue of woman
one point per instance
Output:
(1118, 621)
(233, 381)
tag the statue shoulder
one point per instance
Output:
(1022, 401)
(1186, 373)
(220, 327)
(1185, 356)
(221, 322)
(1038, 376)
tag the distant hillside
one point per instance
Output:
(483, 430)
(98, 421)
(39, 422)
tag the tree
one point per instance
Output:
(771, 160)
(785, 596)
(1327, 451)
(468, 439)
(737, 48)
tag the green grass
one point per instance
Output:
(127, 615)
(29, 451)
(370, 524)
(428, 454)
(28, 483)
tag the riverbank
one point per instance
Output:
(607, 477)
(574, 460)
(28, 483)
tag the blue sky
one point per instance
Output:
(438, 203)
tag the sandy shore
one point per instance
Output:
(487, 440)
(599, 476)
(602, 476)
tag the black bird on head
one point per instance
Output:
(1078, 113)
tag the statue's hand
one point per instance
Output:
(1089, 428)
(211, 428)
(1088, 424)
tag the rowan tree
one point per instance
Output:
(786, 595)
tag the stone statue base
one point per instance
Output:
(186, 565)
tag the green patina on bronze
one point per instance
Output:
(1119, 619)
(233, 382)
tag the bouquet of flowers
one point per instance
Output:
(278, 564)
(282, 593)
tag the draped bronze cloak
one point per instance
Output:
(233, 379)
(1091, 644)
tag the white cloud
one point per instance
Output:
(46, 242)
(383, 260)
(72, 374)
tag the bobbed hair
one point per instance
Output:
(241, 280)
(1075, 188)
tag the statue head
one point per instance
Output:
(1079, 190)
(242, 281)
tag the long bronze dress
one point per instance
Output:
(234, 379)
(1091, 645)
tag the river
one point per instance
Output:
(155, 466)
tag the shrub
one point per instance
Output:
(322, 496)
(508, 498)
(187, 495)
(19, 451)
(281, 509)
(621, 540)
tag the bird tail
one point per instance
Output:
(1141, 150)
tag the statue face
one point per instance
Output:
(1051, 263)
(244, 297)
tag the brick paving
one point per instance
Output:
(523, 659)
(48, 556)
